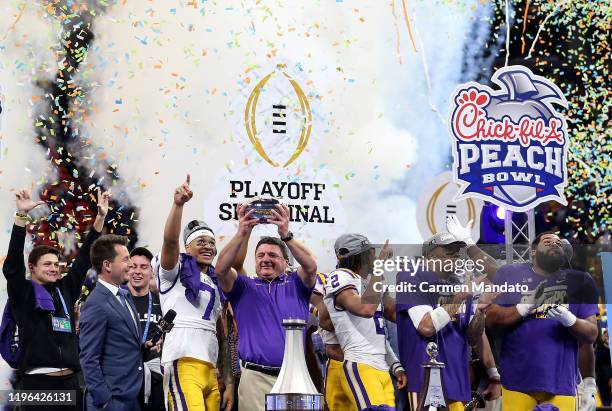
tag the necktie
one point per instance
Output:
(121, 293)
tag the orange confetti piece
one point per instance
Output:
(22, 7)
(405, 11)
(524, 26)
(397, 33)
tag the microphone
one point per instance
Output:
(163, 326)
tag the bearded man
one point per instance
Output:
(543, 327)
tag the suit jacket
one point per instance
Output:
(110, 351)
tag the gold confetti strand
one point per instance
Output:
(426, 70)
(397, 33)
(527, 2)
(405, 12)
(557, 7)
(22, 7)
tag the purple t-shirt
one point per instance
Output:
(260, 306)
(451, 340)
(540, 354)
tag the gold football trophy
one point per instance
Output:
(294, 390)
(432, 396)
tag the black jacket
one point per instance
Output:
(40, 345)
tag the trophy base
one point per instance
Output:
(294, 402)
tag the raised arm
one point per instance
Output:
(172, 230)
(464, 234)
(229, 253)
(238, 264)
(103, 200)
(308, 265)
(82, 262)
(14, 268)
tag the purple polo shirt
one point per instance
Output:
(260, 306)
(538, 353)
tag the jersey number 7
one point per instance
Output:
(211, 302)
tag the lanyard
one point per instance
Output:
(146, 330)
(63, 302)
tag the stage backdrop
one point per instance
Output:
(338, 107)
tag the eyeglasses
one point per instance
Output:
(204, 243)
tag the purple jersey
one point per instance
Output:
(260, 306)
(538, 353)
(451, 340)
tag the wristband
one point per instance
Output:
(397, 367)
(439, 318)
(493, 373)
(20, 215)
(524, 309)
(569, 320)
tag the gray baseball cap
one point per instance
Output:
(351, 244)
(440, 239)
(195, 229)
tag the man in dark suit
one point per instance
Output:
(111, 356)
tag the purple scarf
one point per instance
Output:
(10, 349)
(44, 301)
(190, 276)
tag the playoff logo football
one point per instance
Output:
(277, 118)
(510, 145)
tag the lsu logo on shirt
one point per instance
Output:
(554, 293)
(510, 145)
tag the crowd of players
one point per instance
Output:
(226, 346)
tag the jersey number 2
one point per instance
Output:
(379, 322)
(211, 302)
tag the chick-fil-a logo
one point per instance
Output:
(510, 145)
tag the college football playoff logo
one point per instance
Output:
(278, 119)
(510, 145)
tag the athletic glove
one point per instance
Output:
(586, 392)
(561, 314)
(458, 231)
